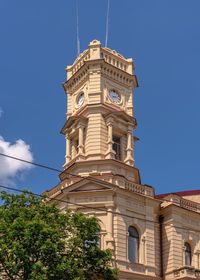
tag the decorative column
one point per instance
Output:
(198, 259)
(129, 150)
(109, 238)
(81, 139)
(183, 254)
(81, 152)
(110, 153)
(68, 148)
(143, 255)
(110, 222)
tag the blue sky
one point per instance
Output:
(37, 42)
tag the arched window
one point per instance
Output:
(188, 254)
(133, 244)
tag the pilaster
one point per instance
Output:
(129, 156)
(110, 154)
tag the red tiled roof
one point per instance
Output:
(182, 193)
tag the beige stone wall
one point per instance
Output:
(142, 212)
(138, 210)
(93, 138)
(195, 198)
(180, 226)
(157, 248)
(95, 73)
(93, 122)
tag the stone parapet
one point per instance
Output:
(94, 52)
(182, 202)
(111, 179)
(184, 273)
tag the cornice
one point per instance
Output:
(102, 161)
(71, 121)
(107, 70)
(120, 76)
(106, 109)
(119, 115)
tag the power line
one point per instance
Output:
(77, 204)
(44, 197)
(90, 179)
(60, 200)
(30, 162)
(71, 174)
(100, 209)
(52, 168)
(74, 203)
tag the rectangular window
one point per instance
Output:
(117, 147)
(76, 145)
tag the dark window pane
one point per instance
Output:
(117, 147)
(188, 254)
(133, 232)
(133, 245)
(76, 145)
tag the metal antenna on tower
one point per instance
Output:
(107, 23)
(77, 28)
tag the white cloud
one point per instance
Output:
(10, 169)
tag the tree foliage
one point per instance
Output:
(37, 242)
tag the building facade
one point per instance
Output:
(151, 237)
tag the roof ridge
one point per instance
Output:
(181, 193)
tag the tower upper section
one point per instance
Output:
(100, 75)
(100, 117)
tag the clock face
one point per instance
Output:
(80, 99)
(114, 96)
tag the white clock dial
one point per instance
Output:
(115, 96)
(80, 99)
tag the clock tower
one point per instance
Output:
(99, 175)
(100, 118)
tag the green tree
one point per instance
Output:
(38, 242)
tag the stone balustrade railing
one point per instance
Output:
(187, 204)
(115, 59)
(131, 186)
(94, 52)
(141, 189)
(71, 70)
(182, 202)
(186, 271)
(135, 188)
